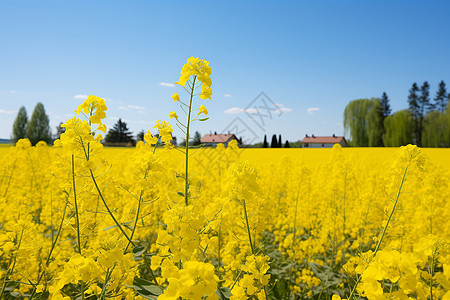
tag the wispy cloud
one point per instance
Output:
(12, 91)
(311, 110)
(129, 106)
(80, 97)
(136, 107)
(236, 110)
(167, 84)
(7, 112)
(227, 95)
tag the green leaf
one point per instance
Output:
(280, 289)
(138, 250)
(147, 289)
(204, 119)
(224, 293)
(181, 194)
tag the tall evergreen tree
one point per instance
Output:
(20, 126)
(286, 145)
(414, 110)
(384, 110)
(274, 143)
(280, 144)
(119, 134)
(265, 144)
(39, 126)
(440, 101)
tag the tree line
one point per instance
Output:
(426, 121)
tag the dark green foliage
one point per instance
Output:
(279, 141)
(196, 140)
(441, 98)
(140, 135)
(39, 126)
(119, 134)
(286, 145)
(414, 109)
(20, 126)
(274, 143)
(265, 144)
(384, 110)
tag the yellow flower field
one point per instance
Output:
(79, 221)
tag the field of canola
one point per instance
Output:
(79, 221)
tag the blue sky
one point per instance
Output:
(309, 57)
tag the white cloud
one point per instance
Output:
(236, 110)
(141, 112)
(80, 97)
(167, 84)
(136, 107)
(122, 107)
(7, 112)
(227, 95)
(283, 109)
(311, 110)
(12, 91)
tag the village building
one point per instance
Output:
(213, 139)
(323, 141)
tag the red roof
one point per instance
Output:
(323, 139)
(217, 138)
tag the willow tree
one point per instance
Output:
(446, 126)
(374, 128)
(399, 129)
(433, 131)
(356, 121)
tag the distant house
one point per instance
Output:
(214, 139)
(323, 141)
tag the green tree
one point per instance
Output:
(274, 143)
(39, 126)
(20, 126)
(384, 110)
(265, 144)
(119, 134)
(355, 121)
(140, 135)
(414, 110)
(433, 131)
(374, 128)
(399, 129)
(440, 101)
(196, 141)
(280, 144)
(286, 145)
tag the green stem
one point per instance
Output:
(135, 222)
(76, 205)
(107, 208)
(248, 227)
(147, 264)
(186, 184)
(384, 229)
